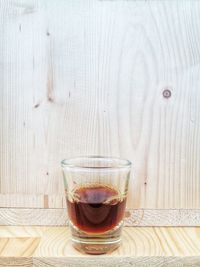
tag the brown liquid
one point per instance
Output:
(96, 208)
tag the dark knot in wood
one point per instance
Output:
(167, 93)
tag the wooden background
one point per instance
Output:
(118, 78)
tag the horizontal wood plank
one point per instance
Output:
(140, 217)
(147, 246)
(16, 262)
(119, 262)
(32, 201)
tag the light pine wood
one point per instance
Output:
(89, 77)
(58, 217)
(120, 262)
(32, 216)
(32, 200)
(23, 246)
(147, 246)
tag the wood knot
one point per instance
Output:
(37, 105)
(50, 99)
(167, 93)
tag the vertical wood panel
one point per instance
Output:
(87, 77)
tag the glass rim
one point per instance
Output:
(121, 162)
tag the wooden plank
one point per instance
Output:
(16, 261)
(138, 217)
(54, 215)
(9, 216)
(147, 246)
(120, 262)
(90, 77)
(32, 201)
(145, 241)
(23, 246)
(110, 262)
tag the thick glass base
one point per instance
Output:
(96, 243)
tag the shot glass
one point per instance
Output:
(96, 191)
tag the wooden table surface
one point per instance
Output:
(141, 246)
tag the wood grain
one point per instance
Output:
(147, 246)
(90, 77)
(23, 246)
(58, 217)
(32, 200)
(20, 216)
(120, 262)
(16, 261)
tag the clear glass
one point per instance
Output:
(96, 190)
